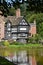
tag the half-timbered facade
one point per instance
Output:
(16, 28)
(18, 31)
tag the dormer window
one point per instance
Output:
(8, 23)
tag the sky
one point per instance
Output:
(15, 0)
(8, 0)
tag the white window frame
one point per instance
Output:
(22, 28)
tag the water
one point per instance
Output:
(23, 56)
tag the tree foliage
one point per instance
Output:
(12, 11)
(33, 5)
(30, 5)
(39, 21)
(4, 8)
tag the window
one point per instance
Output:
(8, 32)
(14, 29)
(8, 24)
(8, 29)
(22, 35)
(22, 28)
(14, 36)
(9, 35)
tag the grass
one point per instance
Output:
(26, 46)
(23, 46)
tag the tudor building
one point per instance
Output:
(18, 31)
(16, 28)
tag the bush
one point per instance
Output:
(6, 43)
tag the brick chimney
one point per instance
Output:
(18, 13)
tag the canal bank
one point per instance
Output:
(23, 46)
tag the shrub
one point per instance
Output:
(6, 43)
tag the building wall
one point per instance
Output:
(20, 28)
(32, 30)
(20, 32)
(1, 27)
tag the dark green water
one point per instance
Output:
(24, 56)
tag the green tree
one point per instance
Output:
(12, 11)
(4, 8)
(39, 21)
(23, 9)
(33, 5)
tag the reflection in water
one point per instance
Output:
(22, 58)
(32, 60)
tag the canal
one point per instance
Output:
(24, 56)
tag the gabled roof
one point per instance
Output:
(13, 19)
